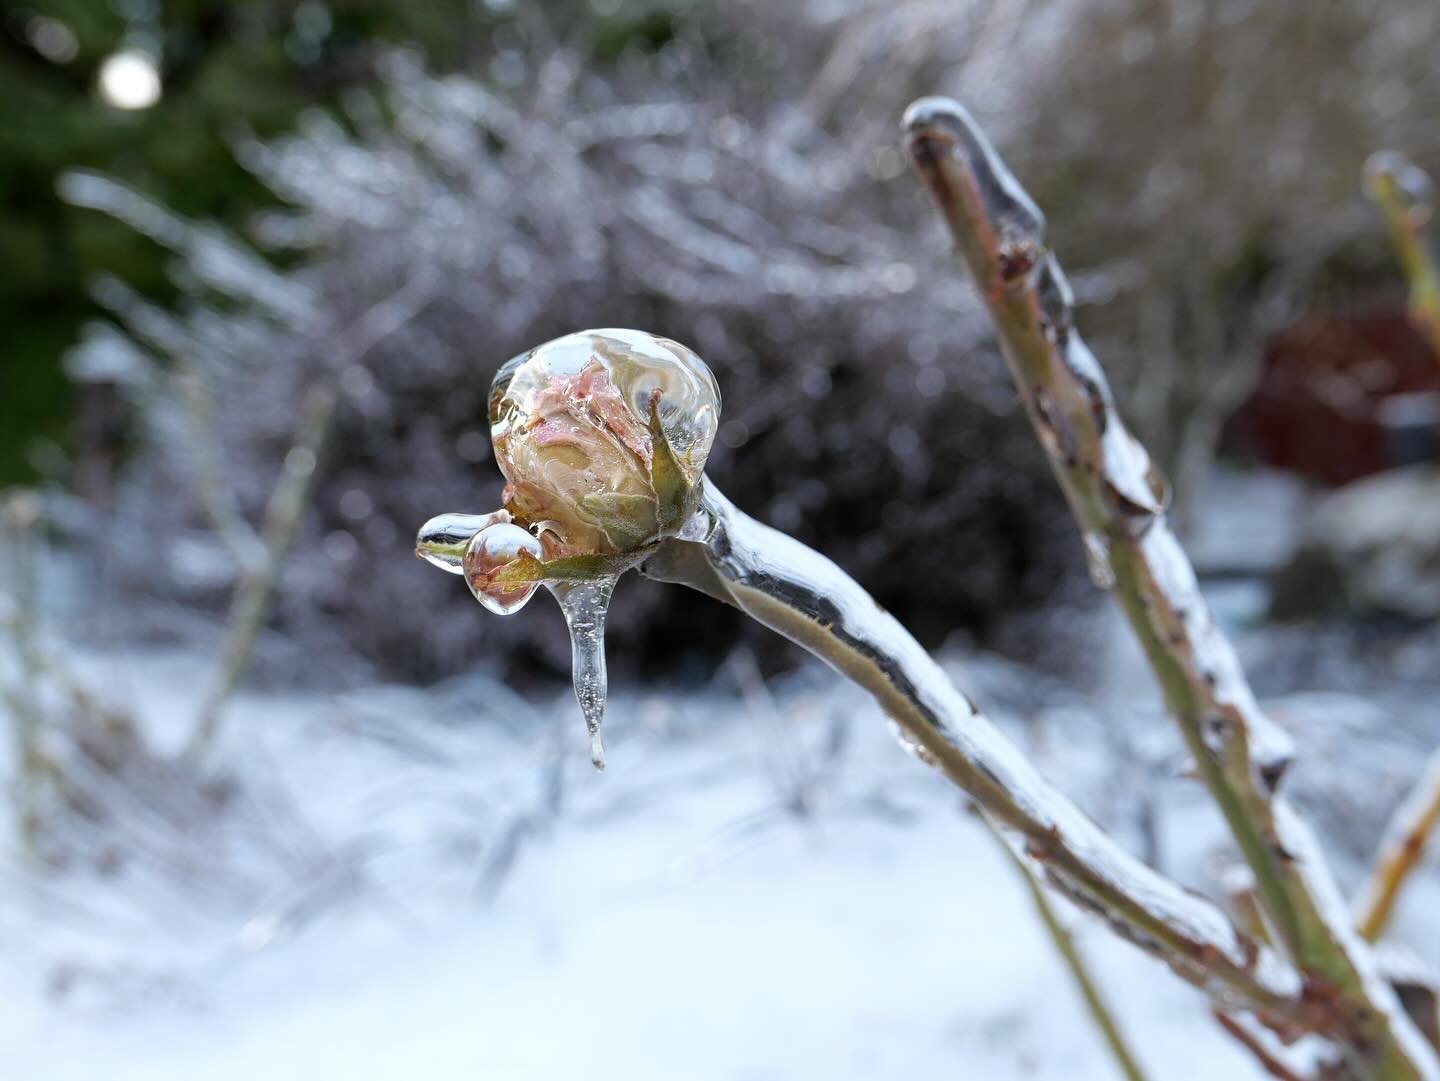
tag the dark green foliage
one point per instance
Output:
(226, 68)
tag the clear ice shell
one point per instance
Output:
(638, 364)
(442, 540)
(489, 550)
(584, 605)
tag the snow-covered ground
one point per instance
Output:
(757, 888)
(434, 884)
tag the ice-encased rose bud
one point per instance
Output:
(602, 436)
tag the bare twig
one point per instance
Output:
(1095, 1003)
(217, 494)
(19, 514)
(257, 584)
(288, 499)
(1119, 501)
(1400, 852)
(1255, 1044)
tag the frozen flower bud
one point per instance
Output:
(602, 436)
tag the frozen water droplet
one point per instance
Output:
(494, 548)
(911, 745)
(442, 540)
(585, 605)
(1097, 559)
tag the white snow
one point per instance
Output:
(675, 921)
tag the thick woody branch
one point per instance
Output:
(1119, 500)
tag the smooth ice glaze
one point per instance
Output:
(802, 595)
(585, 605)
(637, 365)
(1097, 561)
(1411, 183)
(442, 540)
(603, 434)
(493, 549)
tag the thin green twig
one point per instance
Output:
(288, 499)
(1400, 852)
(1090, 992)
(1405, 195)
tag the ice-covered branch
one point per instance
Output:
(808, 599)
(217, 494)
(1119, 500)
(1405, 195)
(1400, 852)
(602, 436)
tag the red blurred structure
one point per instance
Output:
(1341, 397)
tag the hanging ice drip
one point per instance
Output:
(602, 437)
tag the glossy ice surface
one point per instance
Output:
(491, 549)
(602, 435)
(636, 365)
(442, 540)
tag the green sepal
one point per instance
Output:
(583, 568)
(627, 520)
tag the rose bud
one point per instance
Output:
(602, 437)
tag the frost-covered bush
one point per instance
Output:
(714, 189)
(737, 187)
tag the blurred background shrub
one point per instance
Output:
(392, 199)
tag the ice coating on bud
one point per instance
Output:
(493, 549)
(442, 540)
(603, 435)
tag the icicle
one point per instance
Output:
(584, 605)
